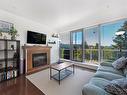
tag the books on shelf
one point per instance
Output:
(11, 74)
(8, 75)
(2, 76)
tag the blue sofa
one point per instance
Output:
(105, 73)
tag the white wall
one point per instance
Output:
(54, 50)
(65, 37)
(22, 25)
(95, 18)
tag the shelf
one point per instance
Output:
(2, 70)
(1, 60)
(11, 59)
(14, 53)
(7, 50)
(8, 59)
(2, 50)
(11, 68)
(63, 74)
(11, 50)
(9, 40)
(7, 69)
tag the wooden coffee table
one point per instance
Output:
(62, 69)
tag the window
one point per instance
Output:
(65, 45)
(113, 46)
(91, 44)
(96, 44)
(76, 45)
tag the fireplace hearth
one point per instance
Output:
(39, 59)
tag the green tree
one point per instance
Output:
(86, 45)
(96, 46)
(121, 40)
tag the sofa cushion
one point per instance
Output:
(119, 63)
(107, 75)
(100, 82)
(90, 89)
(110, 69)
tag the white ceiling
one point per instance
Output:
(59, 14)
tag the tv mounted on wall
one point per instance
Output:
(36, 38)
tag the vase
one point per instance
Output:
(13, 38)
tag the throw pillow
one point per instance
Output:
(119, 63)
(122, 82)
(125, 71)
(115, 89)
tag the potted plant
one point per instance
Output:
(13, 32)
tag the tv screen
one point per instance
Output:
(36, 38)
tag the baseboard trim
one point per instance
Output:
(86, 65)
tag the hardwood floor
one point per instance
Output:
(19, 86)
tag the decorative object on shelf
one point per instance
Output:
(55, 35)
(5, 26)
(1, 35)
(12, 47)
(51, 42)
(15, 55)
(13, 32)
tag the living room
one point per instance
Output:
(63, 47)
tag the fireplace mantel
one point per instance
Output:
(29, 51)
(35, 47)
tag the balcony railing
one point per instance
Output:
(91, 55)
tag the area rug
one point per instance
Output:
(71, 85)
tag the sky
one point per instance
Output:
(107, 30)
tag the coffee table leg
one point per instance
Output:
(59, 77)
(73, 68)
(50, 73)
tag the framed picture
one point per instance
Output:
(5, 26)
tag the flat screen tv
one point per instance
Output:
(36, 38)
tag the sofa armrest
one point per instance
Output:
(90, 89)
(106, 64)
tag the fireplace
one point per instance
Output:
(39, 59)
(36, 58)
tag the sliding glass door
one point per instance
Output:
(85, 45)
(91, 44)
(76, 45)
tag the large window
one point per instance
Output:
(96, 44)
(91, 44)
(65, 45)
(113, 43)
(76, 45)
